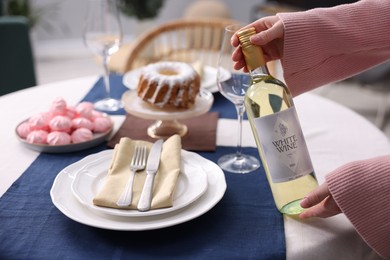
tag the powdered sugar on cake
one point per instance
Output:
(169, 84)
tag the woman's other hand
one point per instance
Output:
(319, 203)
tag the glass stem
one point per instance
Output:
(240, 116)
(106, 77)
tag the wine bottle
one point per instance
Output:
(277, 131)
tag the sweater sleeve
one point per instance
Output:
(362, 191)
(325, 45)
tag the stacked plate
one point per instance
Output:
(201, 185)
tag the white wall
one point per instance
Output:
(65, 18)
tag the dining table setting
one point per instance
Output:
(90, 170)
(47, 209)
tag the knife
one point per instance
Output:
(151, 169)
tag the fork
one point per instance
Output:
(138, 163)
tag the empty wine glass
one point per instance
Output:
(233, 85)
(103, 36)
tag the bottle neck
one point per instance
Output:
(254, 60)
(253, 54)
(259, 71)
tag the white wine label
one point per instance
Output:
(283, 145)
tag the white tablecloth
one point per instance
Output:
(335, 135)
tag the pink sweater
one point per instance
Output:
(326, 45)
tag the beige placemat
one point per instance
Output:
(201, 135)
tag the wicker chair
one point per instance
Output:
(181, 40)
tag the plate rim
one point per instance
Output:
(134, 105)
(211, 70)
(215, 192)
(131, 213)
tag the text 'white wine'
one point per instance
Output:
(277, 131)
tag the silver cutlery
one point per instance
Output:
(138, 163)
(151, 169)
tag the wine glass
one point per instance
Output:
(103, 36)
(233, 85)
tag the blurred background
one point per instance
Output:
(59, 52)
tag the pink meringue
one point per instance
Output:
(58, 107)
(71, 112)
(23, 129)
(63, 124)
(39, 121)
(58, 138)
(81, 135)
(81, 122)
(84, 109)
(60, 123)
(37, 137)
(85, 104)
(96, 114)
(102, 124)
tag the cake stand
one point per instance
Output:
(166, 123)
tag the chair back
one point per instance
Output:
(17, 70)
(185, 40)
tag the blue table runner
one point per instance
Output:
(221, 105)
(245, 224)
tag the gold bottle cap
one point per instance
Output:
(253, 54)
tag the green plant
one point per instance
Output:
(141, 9)
(23, 8)
(35, 14)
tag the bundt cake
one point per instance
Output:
(169, 84)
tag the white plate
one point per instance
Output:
(209, 79)
(134, 105)
(64, 200)
(131, 78)
(97, 139)
(192, 183)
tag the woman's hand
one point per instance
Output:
(270, 36)
(320, 203)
